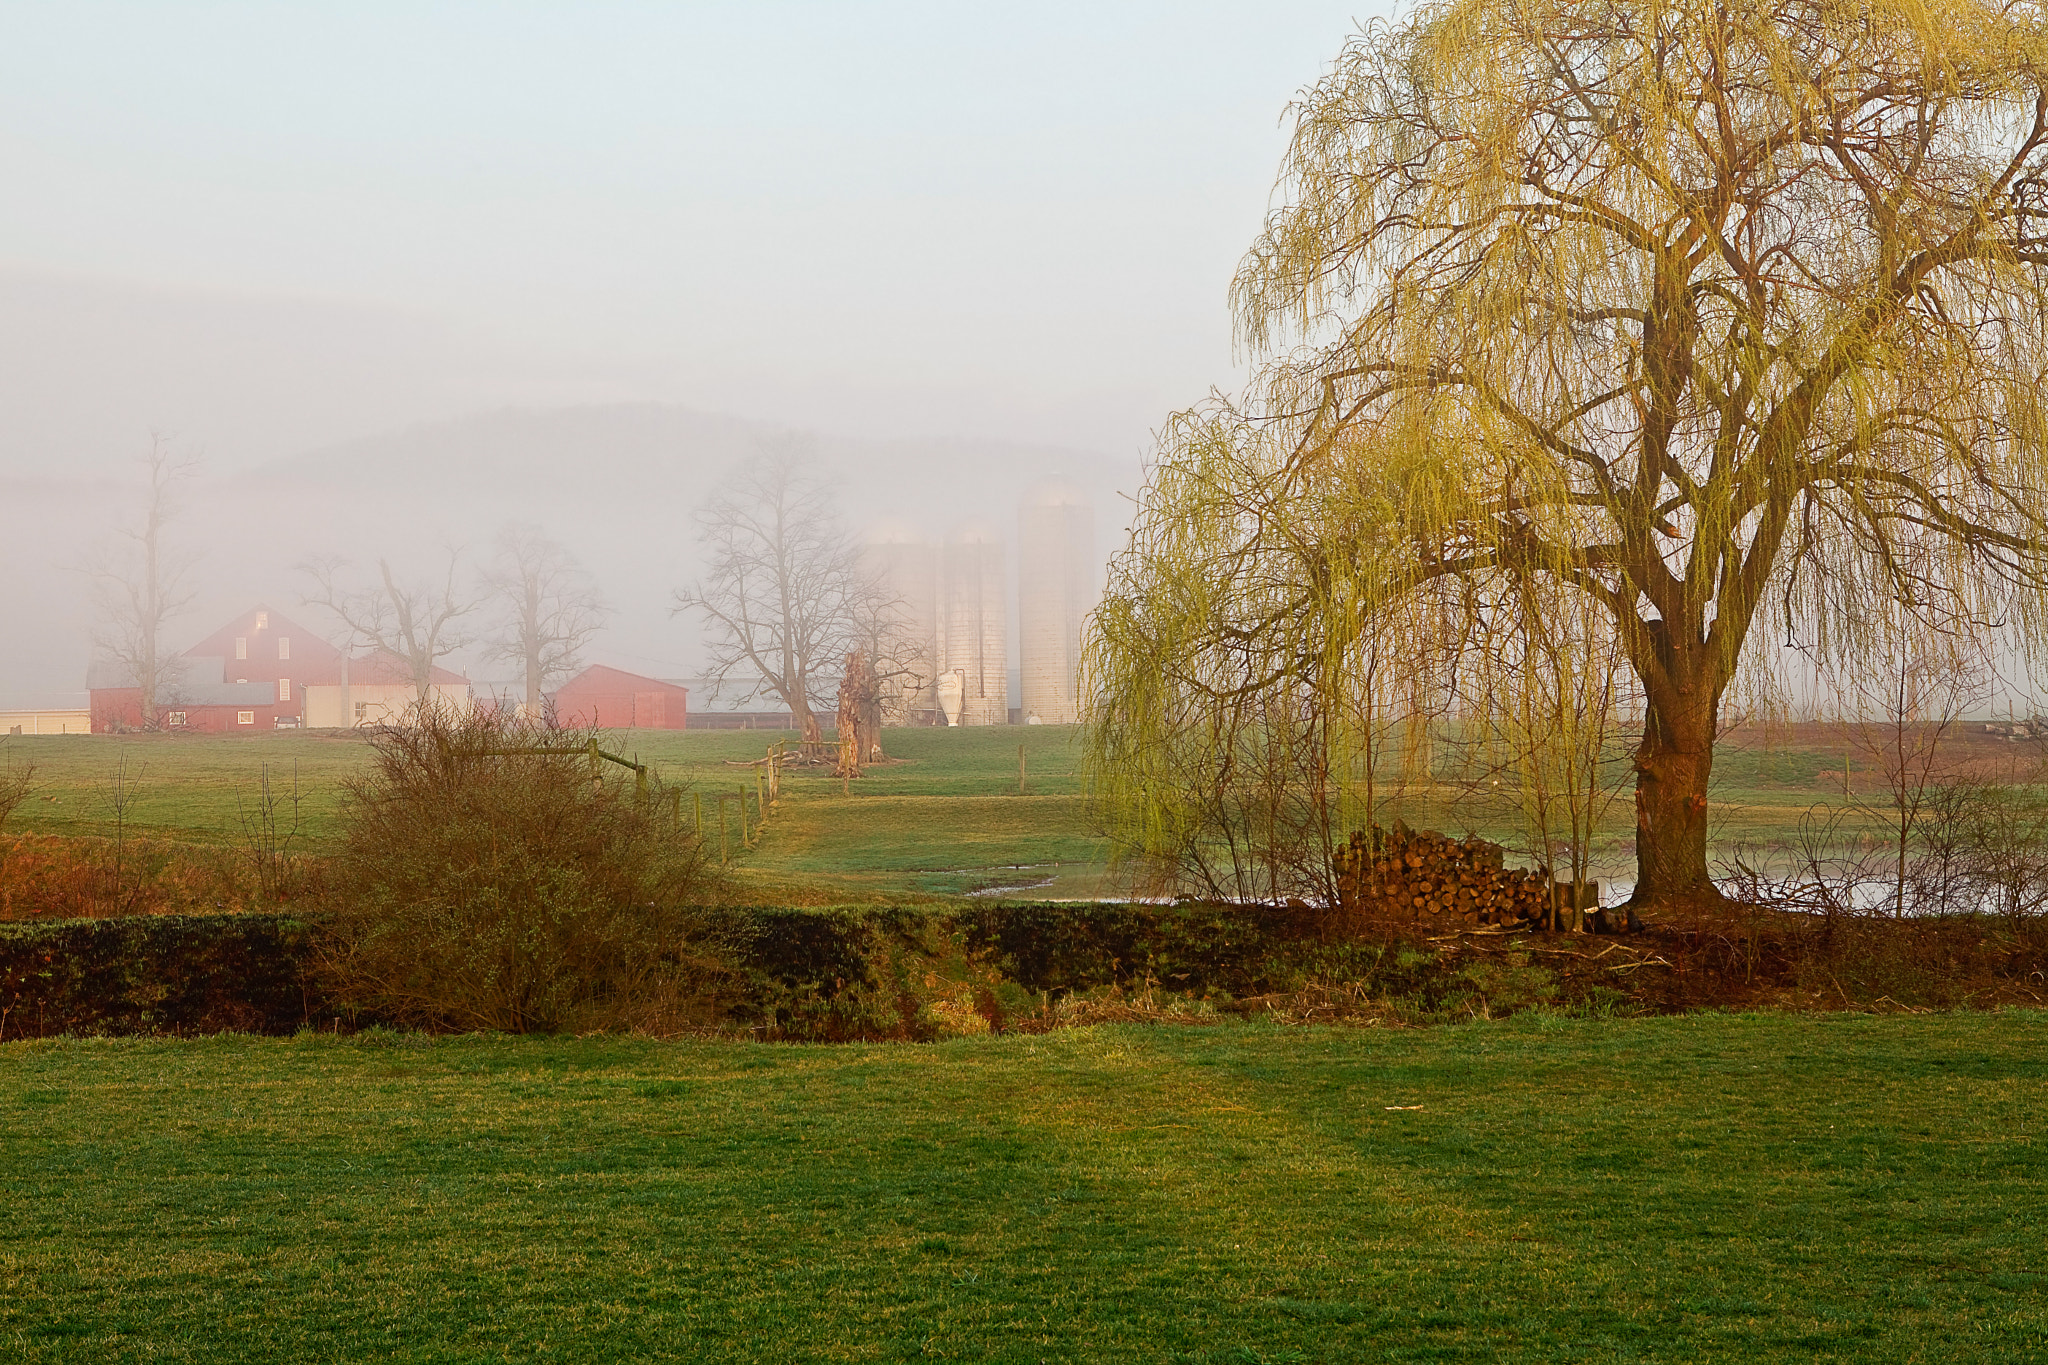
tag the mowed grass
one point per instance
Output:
(1711, 1188)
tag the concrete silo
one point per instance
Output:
(1056, 589)
(907, 567)
(974, 623)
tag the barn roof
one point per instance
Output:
(190, 671)
(604, 678)
(381, 666)
(220, 694)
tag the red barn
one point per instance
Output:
(619, 700)
(246, 677)
(260, 672)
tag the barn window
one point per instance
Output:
(284, 689)
(284, 646)
(245, 717)
(241, 646)
(175, 718)
(263, 620)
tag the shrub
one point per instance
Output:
(490, 880)
(17, 780)
(178, 974)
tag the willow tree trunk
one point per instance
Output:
(1673, 764)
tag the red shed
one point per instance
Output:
(619, 700)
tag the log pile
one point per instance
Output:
(1426, 878)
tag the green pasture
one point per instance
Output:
(1707, 1188)
(944, 817)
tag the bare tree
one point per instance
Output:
(1900, 711)
(17, 780)
(780, 593)
(417, 622)
(548, 609)
(140, 591)
(896, 661)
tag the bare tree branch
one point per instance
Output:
(781, 596)
(419, 623)
(139, 592)
(547, 609)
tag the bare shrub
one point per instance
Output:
(2004, 843)
(17, 780)
(272, 819)
(491, 880)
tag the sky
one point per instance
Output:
(881, 219)
(269, 230)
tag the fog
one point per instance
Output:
(400, 275)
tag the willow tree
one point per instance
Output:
(1727, 317)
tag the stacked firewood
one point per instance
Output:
(1422, 877)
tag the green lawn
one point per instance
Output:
(1711, 1188)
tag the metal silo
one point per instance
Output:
(1056, 589)
(907, 566)
(974, 623)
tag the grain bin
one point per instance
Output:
(906, 567)
(974, 622)
(1056, 589)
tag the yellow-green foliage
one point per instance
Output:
(1593, 337)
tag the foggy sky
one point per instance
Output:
(270, 231)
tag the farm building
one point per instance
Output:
(244, 678)
(262, 672)
(616, 699)
(375, 689)
(46, 720)
(1057, 586)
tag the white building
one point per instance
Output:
(974, 624)
(908, 568)
(1058, 585)
(377, 689)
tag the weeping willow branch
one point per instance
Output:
(1717, 317)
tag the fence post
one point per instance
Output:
(724, 854)
(745, 842)
(700, 812)
(1020, 770)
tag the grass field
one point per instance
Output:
(945, 819)
(1707, 1188)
